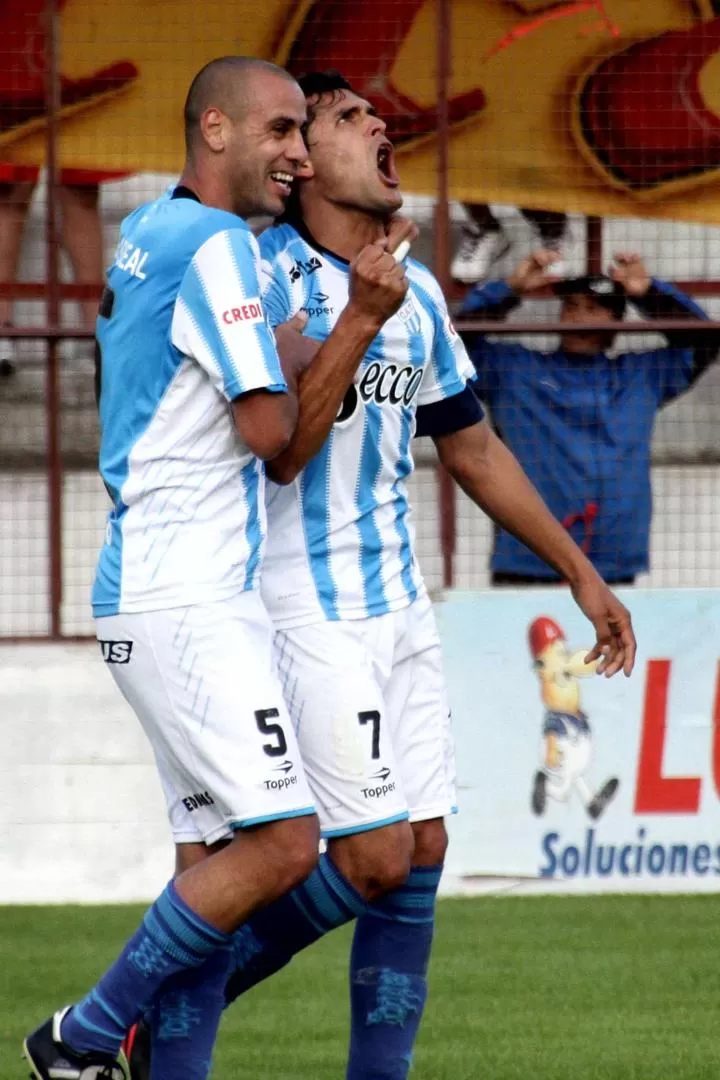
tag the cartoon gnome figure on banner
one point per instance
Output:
(567, 736)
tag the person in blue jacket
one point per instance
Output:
(579, 420)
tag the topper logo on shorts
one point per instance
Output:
(198, 799)
(282, 782)
(116, 652)
(250, 311)
(382, 789)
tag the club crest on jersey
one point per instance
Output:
(383, 384)
(410, 316)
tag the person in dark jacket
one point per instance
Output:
(579, 420)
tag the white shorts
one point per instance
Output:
(202, 683)
(368, 701)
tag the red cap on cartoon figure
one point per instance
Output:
(543, 631)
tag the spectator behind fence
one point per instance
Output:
(483, 240)
(579, 420)
(81, 237)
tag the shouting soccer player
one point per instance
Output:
(193, 399)
(356, 644)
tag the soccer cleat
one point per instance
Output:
(136, 1048)
(479, 250)
(50, 1059)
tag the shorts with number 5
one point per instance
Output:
(202, 683)
(368, 701)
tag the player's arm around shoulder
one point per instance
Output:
(219, 323)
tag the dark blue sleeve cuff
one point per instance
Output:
(452, 414)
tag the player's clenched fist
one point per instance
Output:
(378, 283)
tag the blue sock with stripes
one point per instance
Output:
(184, 1019)
(388, 977)
(172, 937)
(270, 939)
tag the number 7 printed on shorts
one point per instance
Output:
(372, 716)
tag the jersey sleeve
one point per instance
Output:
(450, 367)
(275, 292)
(219, 319)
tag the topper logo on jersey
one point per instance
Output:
(318, 305)
(251, 311)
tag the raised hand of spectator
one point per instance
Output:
(534, 272)
(630, 271)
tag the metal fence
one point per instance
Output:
(52, 504)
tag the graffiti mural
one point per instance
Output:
(601, 106)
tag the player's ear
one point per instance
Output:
(215, 128)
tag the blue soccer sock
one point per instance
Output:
(269, 940)
(388, 977)
(184, 1018)
(172, 938)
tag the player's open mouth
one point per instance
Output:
(283, 180)
(386, 165)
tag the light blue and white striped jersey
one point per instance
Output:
(183, 333)
(340, 537)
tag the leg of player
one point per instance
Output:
(192, 919)
(355, 870)
(393, 939)
(184, 1016)
(389, 962)
(221, 769)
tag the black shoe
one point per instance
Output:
(50, 1059)
(602, 798)
(137, 1051)
(539, 794)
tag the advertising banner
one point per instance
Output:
(595, 106)
(572, 781)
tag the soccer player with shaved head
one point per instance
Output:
(356, 644)
(194, 403)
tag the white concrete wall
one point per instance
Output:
(82, 815)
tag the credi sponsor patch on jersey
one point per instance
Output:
(250, 311)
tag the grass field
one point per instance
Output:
(601, 988)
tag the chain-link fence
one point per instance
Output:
(586, 128)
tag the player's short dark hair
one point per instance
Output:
(318, 84)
